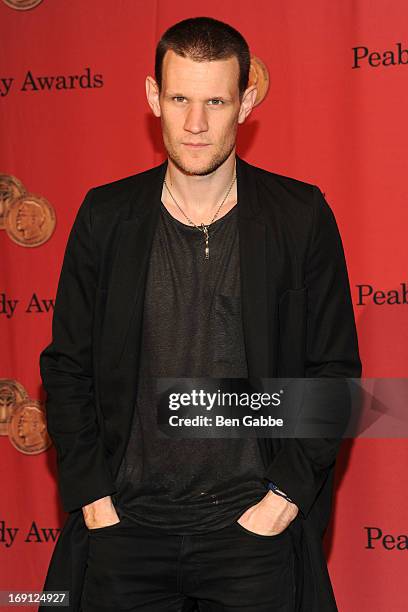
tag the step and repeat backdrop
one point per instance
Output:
(331, 110)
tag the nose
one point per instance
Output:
(196, 119)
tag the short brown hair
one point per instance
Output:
(204, 39)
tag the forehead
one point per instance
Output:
(199, 77)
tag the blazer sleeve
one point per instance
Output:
(67, 373)
(302, 465)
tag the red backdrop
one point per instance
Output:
(335, 115)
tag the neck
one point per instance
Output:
(201, 195)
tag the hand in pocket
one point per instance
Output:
(100, 513)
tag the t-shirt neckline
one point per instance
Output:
(193, 227)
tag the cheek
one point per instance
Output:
(168, 136)
(171, 124)
(229, 130)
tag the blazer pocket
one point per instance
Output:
(292, 315)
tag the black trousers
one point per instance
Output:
(131, 567)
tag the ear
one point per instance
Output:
(247, 103)
(152, 94)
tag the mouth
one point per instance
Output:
(195, 146)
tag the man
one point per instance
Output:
(204, 266)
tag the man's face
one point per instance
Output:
(200, 110)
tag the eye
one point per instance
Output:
(218, 102)
(178, 98)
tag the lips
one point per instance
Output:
(192, 144)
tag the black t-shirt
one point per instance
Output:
(192, 327)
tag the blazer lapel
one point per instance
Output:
(129, 269)
(254, 286)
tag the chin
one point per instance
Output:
(189, 166)
(199, 167)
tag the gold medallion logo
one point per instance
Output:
(259, 76)
(22, 5)
(27, 428)
(11, 393)
(10, 189)
(30, 220)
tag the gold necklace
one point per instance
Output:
(203, 228)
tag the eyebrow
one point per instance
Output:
(181, 95)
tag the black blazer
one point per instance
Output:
(298, 321)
